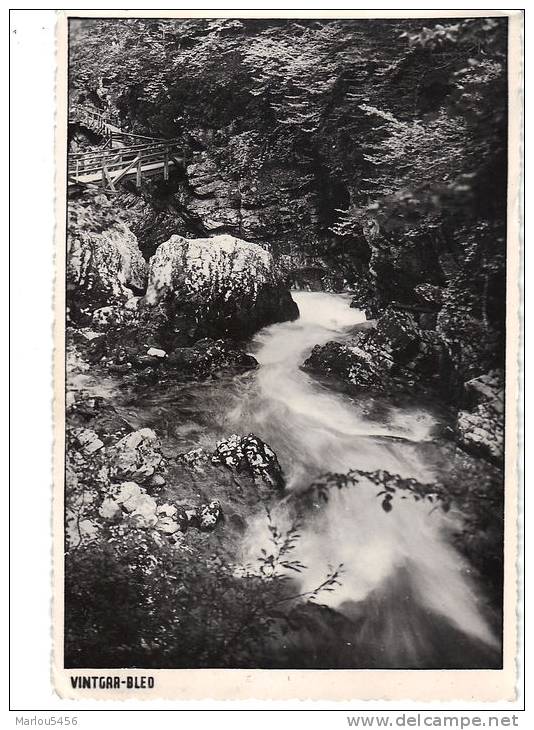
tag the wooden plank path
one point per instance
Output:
(110, 165)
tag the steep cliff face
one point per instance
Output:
(271, 206)
(277, 207)
(155, 214)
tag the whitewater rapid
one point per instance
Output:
(386, 556)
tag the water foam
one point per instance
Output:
(315, 430)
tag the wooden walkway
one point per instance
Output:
(122, 156)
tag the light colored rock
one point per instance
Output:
(166, 510)
(156, 480)
(194, 458)
(75, 361)
(482, 430)
(132, 304)
(109, 509)
(249, 453)
(128, 490)
(155, 352)
(228, 284)
(144, 521)
(89, 334)
(142, 503)
(190, 515)
(88, 529)
(88, 440)
(102, 266)
(208, 515)
(142, 509)
(167, 525)
(106, 316)
(229, 452)
(193, 264)
(136, 456)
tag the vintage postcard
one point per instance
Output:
(287, 307)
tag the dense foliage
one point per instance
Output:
(132, 599)
(390, 137)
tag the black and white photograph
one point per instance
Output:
(285, 320)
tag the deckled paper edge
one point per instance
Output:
(239, 684)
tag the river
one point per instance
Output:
(407, 591)
(418, 587)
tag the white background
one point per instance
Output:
(32, 252)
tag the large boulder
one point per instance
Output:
(103, 269)
(396, 354)
(351, 363)
(250, 454)
(254, 466)
(220, 286)
(207, 356)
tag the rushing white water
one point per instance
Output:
(315, 430)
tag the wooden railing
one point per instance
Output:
(93, 117)
(105, 124)
(107, 166)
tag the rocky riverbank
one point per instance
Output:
(142, 503)
(120, 478)
(398, 352)
(184, 315)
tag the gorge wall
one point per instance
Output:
(362, 154)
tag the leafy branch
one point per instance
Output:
(390, 486)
